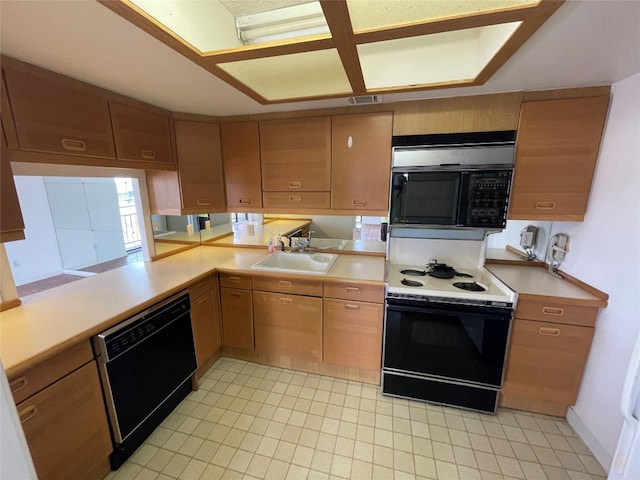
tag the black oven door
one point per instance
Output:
(450, 342)
(425, 198)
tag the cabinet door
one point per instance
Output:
(11, 222)
(352, 333)
(66, 426)
(296, 154)
(54, 118)
(241, 158)
(206, 327)
(288, 325)
(200, 165)
(141, 135)
(361, 161)
(237, 318)
(556, 152)
(546, 361)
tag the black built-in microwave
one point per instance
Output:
(459, 180)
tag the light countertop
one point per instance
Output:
(51, 321)
(537, 281)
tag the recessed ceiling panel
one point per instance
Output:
(372, 14)
(299, 75)
(448, 57)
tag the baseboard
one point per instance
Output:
(589, 439)
(79, 273)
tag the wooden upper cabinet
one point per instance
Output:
(361, 161)
(11, 221)
(198, 185)
(53, 117)
(141, 135)
(556, 152)
(296, 154)
(241, 159)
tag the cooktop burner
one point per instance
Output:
(411, 283)
(470, 286)
(413, 273)
(445, 272)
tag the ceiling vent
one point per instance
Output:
(365, 99)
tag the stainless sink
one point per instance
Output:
(296, 262)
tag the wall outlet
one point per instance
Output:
(154, 225)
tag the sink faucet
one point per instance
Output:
(304, 243)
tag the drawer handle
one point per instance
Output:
(554, 332)
(553, 311)
(545, 205)
(234, 294)
(245, 201)
(285, 283)
(295, 198)
(27, 414)
(18, 384)
(73, 145)
(202, 301)
(352, 307)
(359, 203)
(148, 154)
(204, 201)
(295, 184)
(352, 290)
(234, 279)
(286, 301)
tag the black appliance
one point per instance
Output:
(453, 180)
(145, 363)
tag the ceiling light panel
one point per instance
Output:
(296, 76)
(205, 25)
(372, 14)
(448, 57)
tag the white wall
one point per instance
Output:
(39, 232)
(604, 252)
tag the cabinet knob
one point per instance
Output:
(73, 145)
(545, 205)
(285, 283)
(286, 301)
(18, 384)
(27, 413)
(148, 154)
(553, 332)
(295, 184)
(359, 203)
(244, 201)
(553, 311)
(204, 201)
(352, 290)
(234, 279)
(352, 307)
(295, 198)
(349, 141)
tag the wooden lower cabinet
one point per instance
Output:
(205, 320)
(237, 318)
(545, 366)
(66, 427)
(289, 325)
(352, 333)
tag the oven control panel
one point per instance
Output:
(488, 193)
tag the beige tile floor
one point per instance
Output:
(250, 421)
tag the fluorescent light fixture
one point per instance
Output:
(283, 23)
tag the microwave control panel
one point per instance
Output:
(488, 194)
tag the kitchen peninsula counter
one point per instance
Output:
(51, 321)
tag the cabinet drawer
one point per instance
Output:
(296, 200)
(55, 118)
(38, 377)
(354, 291)
(352, 333)
(66, 426)
(233, 280)
(555, 312)
(288, 325)
(200, 288)
(546, 360)
(288, 285)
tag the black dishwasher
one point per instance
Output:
(146, 363)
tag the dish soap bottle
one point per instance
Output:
(271, 247)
